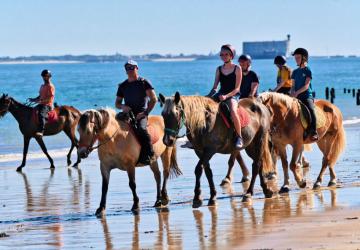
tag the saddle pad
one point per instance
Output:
(243, 115)
(52, 116)
(320, 118)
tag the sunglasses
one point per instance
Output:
(129, 67)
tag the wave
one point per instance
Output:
(55, 153)
(352, 121)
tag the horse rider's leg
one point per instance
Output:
(285, 165)
(155, 169)
(105, 173)
(197, 201)
(234, 115)
(165, 158)
(132, 185)
(228, 177)
(43, 148)
(25, 151)
(244, 169)
(295, 167)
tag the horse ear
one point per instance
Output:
(161, 99)
(177, 98)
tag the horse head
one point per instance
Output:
(173, 115)
(5, 102)
(90, 124)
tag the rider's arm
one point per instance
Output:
(254, 87)
(305, 87)
(217, 79)
(153, 99)
(279, 86)
(238, 74)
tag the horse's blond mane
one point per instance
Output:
(196, 109)
(277, 98)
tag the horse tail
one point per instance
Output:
(265, 156)
(339, 141)
(175, 170)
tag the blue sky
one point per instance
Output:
(49, 27)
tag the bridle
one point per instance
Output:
(180, 123)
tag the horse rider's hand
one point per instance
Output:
(126, 109)
(222, 97)
(140, 115)
(294, 94)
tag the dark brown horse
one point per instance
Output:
(68, 118)
(208, 134)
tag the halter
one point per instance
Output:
(181, 123)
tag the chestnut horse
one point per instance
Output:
(287, 129)
(208, 134)
(119, 148)
(68, 118)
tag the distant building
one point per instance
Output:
(267, 49)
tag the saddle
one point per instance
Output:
(130, 119)
(225, 114)
(52, 116)
(306, 118)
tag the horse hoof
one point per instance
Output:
(197, 203)
(302, 184)
(225, 181)
(268, 194)
(306, 164)
(165, 201)
(19, 169)
(244, 179)
(317, 185)
(212, 202)
(246, 198)
(158, 203)
(135, 207)
(68, 163)
(332, 184)
(52, 166)
(284, 189)
(100, 212)
(76, 165)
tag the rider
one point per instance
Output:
(283, 80)
(140, 98)
(302, 88)
(250, 81)
(229, 76)
(45, 101)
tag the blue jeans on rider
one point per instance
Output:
(146, 147)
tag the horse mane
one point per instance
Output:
(197, 110)
(277, 98)
(101, 115)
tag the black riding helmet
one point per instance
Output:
(46, 72)
(280, 60)
(303, 52)
(244, 57)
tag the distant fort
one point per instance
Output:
(267, 49)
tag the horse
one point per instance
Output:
(287, 129)
(119, 148)
(208, 133)
(68, 118)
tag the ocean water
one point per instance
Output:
(87, 86)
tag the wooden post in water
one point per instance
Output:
(332, 95)
(327, 93)
(349, 90)
(344, 90)
(353, 92)
(358, 97)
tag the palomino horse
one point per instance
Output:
(287, 128)
(68, 118)
(208, 134)
(119, 148)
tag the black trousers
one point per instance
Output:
(43, 115)
(141, 130)
(284, 90)
(309, 103)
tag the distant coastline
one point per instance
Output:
(119, 58)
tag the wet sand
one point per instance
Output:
(43, 209)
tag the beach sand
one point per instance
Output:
(43, 209)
